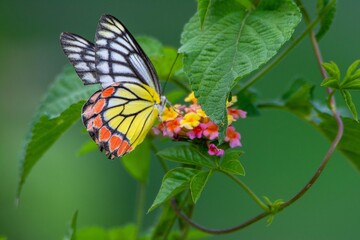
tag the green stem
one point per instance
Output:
(248, 191)
(140, 207)
(277, 59)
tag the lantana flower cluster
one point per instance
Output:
(182, 122)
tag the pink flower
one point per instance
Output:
(196, 132)
(232, 137)
(211, 130)
(236, 113)
(213, 150)
(193, 108)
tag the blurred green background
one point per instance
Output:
(282, 151)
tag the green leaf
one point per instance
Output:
(3, 238)
(352, 68)
(127, 232)
(174, 182)
(332, 70)
(247, 4)
(350, 142)
(326, 19)
(203, 8)
(151, 46)
(87, 147)
(230, 162)
(350, 104)
(330, 82)
(352, 78)
(59, 110)
(234, 43)
(187, 155)
(92, 233)
(71, 232)
(353, 84)
(44, 134)
(198, 183)
(162, 57)
(137, 162)
(298, 97)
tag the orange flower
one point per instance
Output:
(232, 137)
(172, 127)
(211, 130)
(236, 113)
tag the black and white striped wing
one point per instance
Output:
(119, 58)
(81, 54)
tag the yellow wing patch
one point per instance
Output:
(119, 118)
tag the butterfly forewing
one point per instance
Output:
(81, 54)
(119, 58)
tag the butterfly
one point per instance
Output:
(122, 112)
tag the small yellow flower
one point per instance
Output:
(190, 120)
(201, 113)
(169, 114)
(230, 119)
(191, 98)
(233, 100)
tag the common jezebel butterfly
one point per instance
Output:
(119, 115)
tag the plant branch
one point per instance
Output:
(336, 115)
(216, 231)
(323, 163)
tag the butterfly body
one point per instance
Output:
(118, 116)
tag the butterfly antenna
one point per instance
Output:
(168, 77)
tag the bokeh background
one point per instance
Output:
(282, 151)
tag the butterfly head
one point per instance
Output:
(162, 105)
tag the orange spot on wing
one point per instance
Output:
(108, 92)
(104, 134)
(97, 121)
(99, 105)
(124, 148)
(114, 143)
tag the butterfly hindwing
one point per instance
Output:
(119, 57)
(119, 117)
(81, 54)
